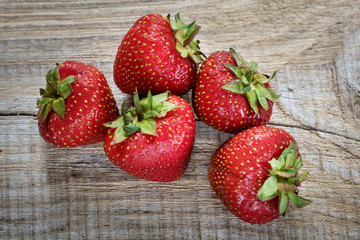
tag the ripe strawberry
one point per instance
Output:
(75, 104)
(154, 139)
(254, 174)
(158, 54)
(230, 95)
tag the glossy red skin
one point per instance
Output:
(90, 105)
(147, 59)
(163, 158)
(240, 167)
(221, 109)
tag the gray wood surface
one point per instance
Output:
(53, 193)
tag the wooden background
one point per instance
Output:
(52, 193)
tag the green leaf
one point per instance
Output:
(253, 101)
(45, 111)
(179, 21)
(41, 109)
(167, 107)
(293, 147)
(131, 111)
(158, 98)
(190, 33)
(271, 95)
(253, 66)
(70, 79)
(275, 164)
(289, 150)
(180, 48)
(172, 22)
(261, 78)
(298, 163)
(122, 110)
(289, 171)
(138, 107)
(151, 114)
(45, 100)
(189, 26)
(150, 101)
(283, 202)
(51, 90)
(115, 124)
(289, 160)
(65, 90)
(236, 56)
(273, 75)
(127, 118)
(262, 99)
(244, 80)
(269, 189)
(282, 161)
(119, 136)
(54, 75)
(238, 73)
(234, 86)
(302, 177)
(59, 107)
(148, 126)
(247, 89)
(130, 129)
(298, 201)
(48, 77)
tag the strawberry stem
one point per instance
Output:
(185, 34)
(250, 83)
(141, 117)
(54, 95)
(138, 108)
(284, 180)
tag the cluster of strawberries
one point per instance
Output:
(254, 173)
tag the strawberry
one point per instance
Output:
(158, 54)
(75, 104)
(230, 95)
(154, 139)
(255, 174)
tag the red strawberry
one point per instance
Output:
(75, 104)
(158, 54)
(154, 139)
(254, 174)
(230, 95)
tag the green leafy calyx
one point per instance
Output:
(54, 95)
(284, 180)
(141, 116)
(185, 34)
(250, 83)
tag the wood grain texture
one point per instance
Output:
(52, 193)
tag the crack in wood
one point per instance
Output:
(309, 128)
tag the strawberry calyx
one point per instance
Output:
(141, 116)
(185, 44)
(284, 180)
(250, 83)
(54, 95)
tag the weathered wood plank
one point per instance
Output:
(50, 192)
(68, 31)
